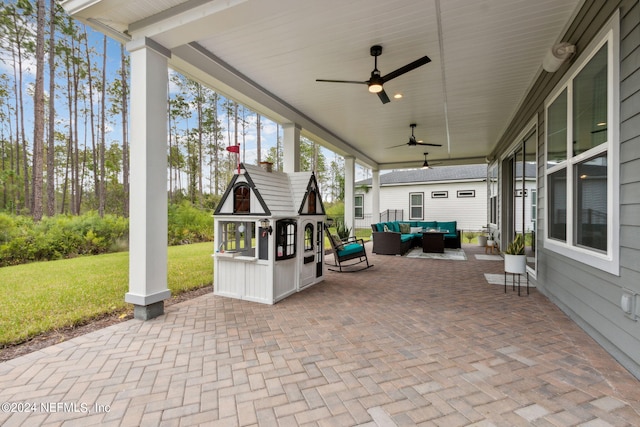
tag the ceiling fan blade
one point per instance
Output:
(426, 143)
(342, 81)
(396, 146)
(400, 71)
(383, 96)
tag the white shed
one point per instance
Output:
(269, 235)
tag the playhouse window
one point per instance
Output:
(238, 236)
(285, 239)
(312, 202)
(308, 237)
(241, 199)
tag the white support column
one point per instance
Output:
(291, 147)
(349, 192)
(375, 196)
(148, 194)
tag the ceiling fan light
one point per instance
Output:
(375, 88)
(425, 165)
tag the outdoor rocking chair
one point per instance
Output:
(350, 250)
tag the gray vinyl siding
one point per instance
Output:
(591, 297)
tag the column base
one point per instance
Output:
(148, 312)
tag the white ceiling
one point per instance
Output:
(484, 54)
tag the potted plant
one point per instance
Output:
(490, 240)
(343, 231)
(515, 260)
(482, 238)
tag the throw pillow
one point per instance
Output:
(386, 229)
(405, 228)
(415, 230)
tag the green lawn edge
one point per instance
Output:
(40, 297)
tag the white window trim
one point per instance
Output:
(609, 261)
(465, 194)
(531, 127)
(361, 206)
(411, 206)
(496, 164)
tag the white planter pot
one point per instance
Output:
(516, 264)
(482, 241)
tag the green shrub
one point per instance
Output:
(188, 224)
(66, 236)
(470, 235)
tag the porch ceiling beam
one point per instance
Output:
(182, 24)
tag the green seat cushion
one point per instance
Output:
(380, 226)
(451, 236)
(450, 226)
(406, 237)
(350, 249)
(393, 226)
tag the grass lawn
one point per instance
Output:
(44, 296)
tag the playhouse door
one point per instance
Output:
(319, 248)
(310, 244)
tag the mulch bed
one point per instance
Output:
(54, 337)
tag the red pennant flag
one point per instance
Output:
(233, 148)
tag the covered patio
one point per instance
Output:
(484, 97)
(408, 342)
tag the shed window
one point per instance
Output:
(285, 239)
(241, 199)
(237, 236)
(439, 194)
(308, 237)
(312, 202)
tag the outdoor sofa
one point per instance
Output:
(397, 237)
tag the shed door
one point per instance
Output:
(309, 245)
(319, 248)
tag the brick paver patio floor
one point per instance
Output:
(407, 342)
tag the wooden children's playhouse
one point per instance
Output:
(269, 235)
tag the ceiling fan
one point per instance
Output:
(426, 165)
(376, 81)
(412, 140)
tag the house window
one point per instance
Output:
(439, 194)
(358, 204)
(534, 206)
(415, 205)
(466, 193)
(285, 239)
(308, 237)
(493, 194)
(241, 199)
(581, 156)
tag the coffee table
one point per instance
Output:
(433, 241)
